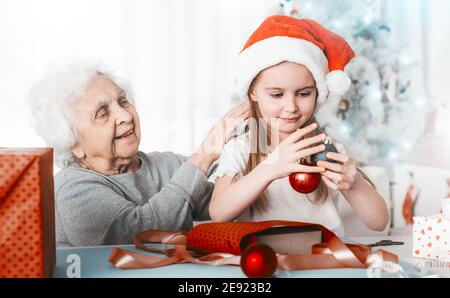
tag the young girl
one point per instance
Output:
(287, 69)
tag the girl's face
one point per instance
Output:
(286, 95)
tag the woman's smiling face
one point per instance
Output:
(286, 95)
(107, 127)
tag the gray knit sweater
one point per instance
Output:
(166, 193)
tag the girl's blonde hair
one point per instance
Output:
(260, 141)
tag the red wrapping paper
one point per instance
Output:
(27, 220)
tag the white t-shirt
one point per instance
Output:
(284, 202)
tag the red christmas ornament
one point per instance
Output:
(305, 182)
(259, 261)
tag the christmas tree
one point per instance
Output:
(379, 119)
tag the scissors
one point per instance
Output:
(386, 243)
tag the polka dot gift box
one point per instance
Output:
(27, 220)
(431, 237)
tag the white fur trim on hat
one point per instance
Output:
(338, 82)
(274, 50)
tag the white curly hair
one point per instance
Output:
(50, 104)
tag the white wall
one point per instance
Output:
(422, 27)
(178, 55)
(439, 63)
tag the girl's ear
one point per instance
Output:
(251, 90)
(315, 102)
(252, 96)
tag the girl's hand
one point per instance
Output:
(339, 176)
(223, 130)
(284, 160)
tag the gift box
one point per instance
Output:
(271, 243)
(431, 237)
(27, 220)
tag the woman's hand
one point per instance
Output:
(223, 130)
(284, 160)
(218, 136)
(339, 176)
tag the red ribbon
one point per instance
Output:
(332, 253)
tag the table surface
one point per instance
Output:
(94, 263)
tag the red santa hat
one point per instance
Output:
(303, 41)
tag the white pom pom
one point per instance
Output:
(338, 82)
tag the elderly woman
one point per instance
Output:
(108, 190)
